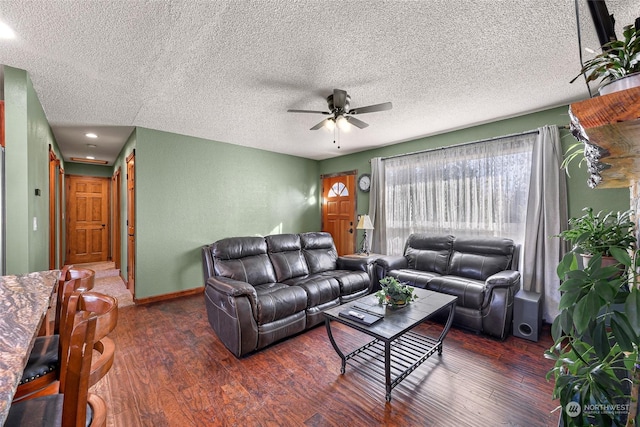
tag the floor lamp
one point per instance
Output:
(364, 224)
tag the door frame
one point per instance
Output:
(131, 233)
(54, 163)
(116, 215)
(354, 214)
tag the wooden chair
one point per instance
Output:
(41, 374)
(51, 326)
(89, 316)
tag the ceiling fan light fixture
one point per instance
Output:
(343, 124)
(330, 124)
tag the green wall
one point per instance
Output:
(72, 168)
(28, 137)
(191, 191)
(579, 194)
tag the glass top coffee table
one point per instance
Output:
(396, 349)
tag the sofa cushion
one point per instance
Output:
(244, 259)
(277, 301)
(479, 258)
(470, 292)
(319, 289)
(428, 253)
(285, 252)
(351, 282)
(415, 278)
(319, 251)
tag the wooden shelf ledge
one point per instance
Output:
(612, 122)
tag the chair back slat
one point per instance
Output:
(82, 278)
(89, 317)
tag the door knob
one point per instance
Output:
(351, 230)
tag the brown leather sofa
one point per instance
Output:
(476, 270)
(259, 290)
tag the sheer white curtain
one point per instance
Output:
(478, 189)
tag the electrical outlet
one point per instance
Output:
(35, 223)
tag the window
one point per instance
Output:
(476, 189)
(338, 189)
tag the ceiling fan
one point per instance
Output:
(340, 112)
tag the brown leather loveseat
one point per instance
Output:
(259, 290)
(481, 272)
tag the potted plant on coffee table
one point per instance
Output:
(597, 333)
(394, 293)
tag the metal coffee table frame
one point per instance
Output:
(394, 345)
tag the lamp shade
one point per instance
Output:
(364, 223)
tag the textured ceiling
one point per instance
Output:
(229, 70)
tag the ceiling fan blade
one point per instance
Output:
(308, 111)
(356, 122)
(320, 125)
(339, 98)
(372, 108)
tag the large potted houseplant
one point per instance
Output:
(618, 66)
(596, 233)
(597, 332)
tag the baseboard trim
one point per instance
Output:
(164, 297)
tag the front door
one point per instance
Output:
(339, 210)
(87, 219)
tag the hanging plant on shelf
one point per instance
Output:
(619, 60)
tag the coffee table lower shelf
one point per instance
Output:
(406, 353)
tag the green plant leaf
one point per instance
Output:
(565, 265)
(586, 310)
(568, 299)
(621, 255)
(566, 320)
(601, 341)
(556, 329)
(632, 310)
(623, 332)
(607, 290)
(572, 285)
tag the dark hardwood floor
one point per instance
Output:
(171, 370)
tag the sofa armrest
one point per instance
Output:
(235, 288)
(361, 264)
(391, 262)
(383, 265)
(502, 279)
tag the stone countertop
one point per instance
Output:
(24, 300)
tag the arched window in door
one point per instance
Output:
(339, 189)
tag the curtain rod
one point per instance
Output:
(461, 144)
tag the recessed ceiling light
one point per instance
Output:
(6, 32)
(86, 160)
(90, 135)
